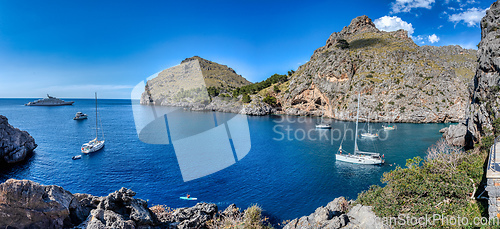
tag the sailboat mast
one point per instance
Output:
(356, 133)
(96, 128)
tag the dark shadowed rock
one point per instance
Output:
(15, 144)
(26, 204)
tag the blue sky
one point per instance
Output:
(72, 48)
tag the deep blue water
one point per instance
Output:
(288, 178)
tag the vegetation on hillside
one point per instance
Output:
(445, 183)
(256, 87)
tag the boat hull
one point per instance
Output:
(358, 159)
(94, 148)
(369, 135)
(49, 105)
(323, 127)
(80, 118)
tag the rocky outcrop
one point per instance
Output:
(399, 81)
(456, 135)
(338, 214)
(193, 217)
(15, 144)
(117, 210)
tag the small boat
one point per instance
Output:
(49, 101)
(389, 127)
(187, 198)
(359, 157)
(95, 144)
(77, 157)
(323, 126)
(369, 135)
(79, 116)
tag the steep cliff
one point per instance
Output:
(399, 81)
(483, 109)
(484, 89)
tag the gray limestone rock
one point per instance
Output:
(15, 144)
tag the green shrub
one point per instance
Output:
(391, 102)
(276, 89)
(441, 184)
(256, 87)
(246, 98)
(271, 100)
(213, 91)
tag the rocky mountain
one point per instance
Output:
(399, 81)
(483, 107)
(15, 144)
(218, 75)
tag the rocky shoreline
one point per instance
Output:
(27, 204)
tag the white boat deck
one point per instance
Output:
(493, 170)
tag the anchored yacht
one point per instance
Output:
(49, 101)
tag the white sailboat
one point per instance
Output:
(369, 134)
(95, 144)
(359, 157)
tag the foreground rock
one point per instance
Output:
(15, 144)
(27, 204)
(334, 216)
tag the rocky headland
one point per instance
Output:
(15, 145)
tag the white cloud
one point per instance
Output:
(433, 38)
(387, 23)
(471, 17)
(407, 5)
(418, 39)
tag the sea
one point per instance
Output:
(289, 169)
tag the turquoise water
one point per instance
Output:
(289, 171)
